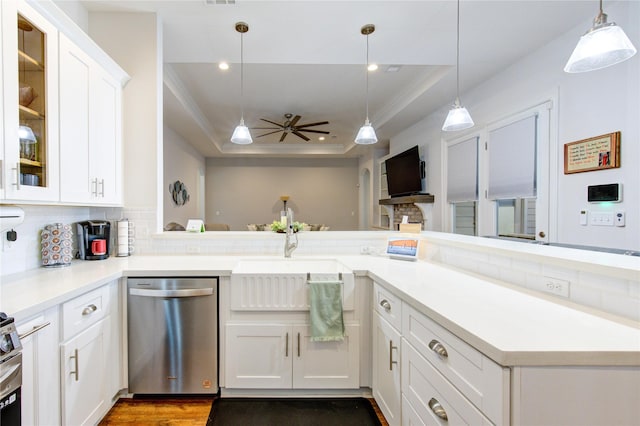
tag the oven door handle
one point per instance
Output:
(9, 373)
(34, 330)
(189, 292)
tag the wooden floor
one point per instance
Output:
(174, 412)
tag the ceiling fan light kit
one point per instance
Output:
(458, 117)
(367, 135)
(603, 45)
(241, 134)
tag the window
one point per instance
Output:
(462, 184)
(497, 181)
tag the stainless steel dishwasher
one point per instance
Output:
(173, 335)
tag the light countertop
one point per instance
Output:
(506, 324)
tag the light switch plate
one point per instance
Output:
(601, 218)
(583, 217)
(619, 218)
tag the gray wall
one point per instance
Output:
(247, 190)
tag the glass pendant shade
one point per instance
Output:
(241, 135)
(26, 135)
(457, 119)
(366, 135)
(602, 46)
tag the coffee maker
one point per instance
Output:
(93, 239)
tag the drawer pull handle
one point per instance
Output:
(286, 346)
(298, 345)
(438, 348)
(77, 372)
(438, 409)
(385, 304)
(89, 310)
(391, 361)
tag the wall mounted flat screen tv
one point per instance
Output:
(404, 173)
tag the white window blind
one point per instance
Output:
(512, 160)
(462, 171)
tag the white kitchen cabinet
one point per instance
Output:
(386, 369)
(40, 382)
(87, 359)
(282, 356)
(30, 170)
(387, 323)
(90, 129)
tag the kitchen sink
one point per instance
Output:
(288, 266)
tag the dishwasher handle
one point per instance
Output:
(187, 292)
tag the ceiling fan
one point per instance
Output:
(290, 126)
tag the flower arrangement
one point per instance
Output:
(277, 226)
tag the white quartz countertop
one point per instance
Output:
(508, 325)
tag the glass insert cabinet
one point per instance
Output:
(30, 113)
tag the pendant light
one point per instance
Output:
(241, 135)
(367, 135)
(605, 44)
(458, 117)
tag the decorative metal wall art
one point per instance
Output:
(179, 193)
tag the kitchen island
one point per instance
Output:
(532, 340)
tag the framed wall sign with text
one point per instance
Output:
(597, 153)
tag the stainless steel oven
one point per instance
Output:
(10, 373)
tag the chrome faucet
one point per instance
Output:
(289, 247)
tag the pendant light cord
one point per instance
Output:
(242, 77)
(367, 79)
(458, 55)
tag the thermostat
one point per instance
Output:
(611, 192)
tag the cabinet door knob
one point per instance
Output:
(438, 348)
(385, 304)
(438, 409)
(89, 310)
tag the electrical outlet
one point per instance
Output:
(364, 250)
(556, 286)
(193, 249)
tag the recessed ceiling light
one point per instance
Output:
(372, 67)
(394, 68)
(223, 66)
(321, 138)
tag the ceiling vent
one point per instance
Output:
(212, 2)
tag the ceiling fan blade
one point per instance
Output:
(272, 122)
(284, 135)
(293, 122)
(270, 133)
(319, 123)
(265, 128)
(313, 131)
(300, 135)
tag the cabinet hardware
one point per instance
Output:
(17, 169)
(438, 409)
(391, 361)
(94, 187)
(298, 345)
(77, 372)
(385, 304)
(438, 348)
(541, 234)
(102, 188)
(89, 310)
(286, 346)
(1, 175)
(35, 329)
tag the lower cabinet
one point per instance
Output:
(282, 356)
(84, 378)
(386, 369)
(40, 385)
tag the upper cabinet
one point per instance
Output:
(30, 108)
(61, 111)
(90, 129)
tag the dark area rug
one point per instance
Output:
(292, 411)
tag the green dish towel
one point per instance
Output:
(325, 311)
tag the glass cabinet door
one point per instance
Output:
(32, 130)
(30, 111)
